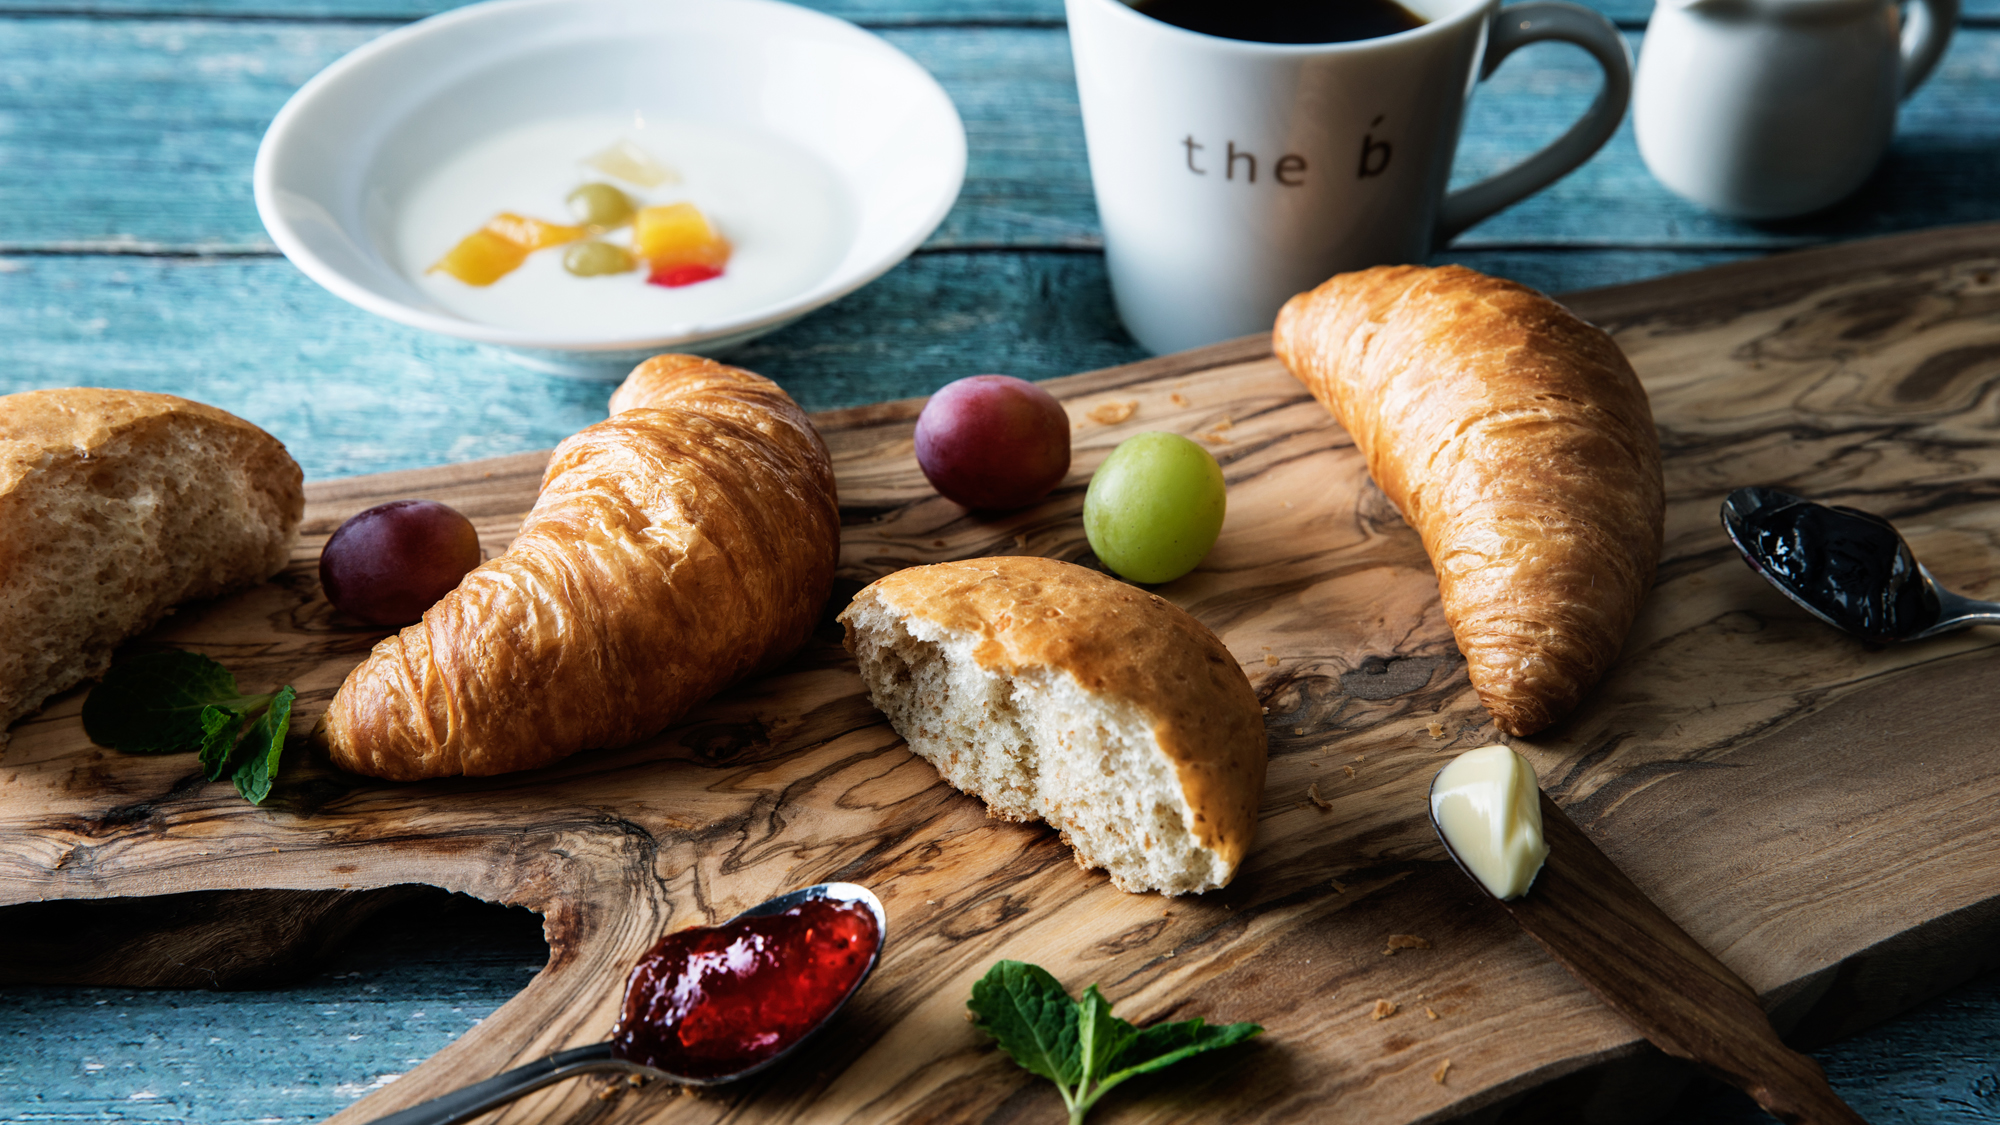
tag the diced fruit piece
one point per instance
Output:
(993, 441)
(392, 562)
(1154, 507)
(498, 248)
(678, 235)
(632, 164)
(592, 258)
(482, 258)
(532, 233)
(673, 277)
(600, 206)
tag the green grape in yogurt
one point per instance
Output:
(591, 258)
(601, 206)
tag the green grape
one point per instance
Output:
(601, 206)
(591, 258)
(1154, 507)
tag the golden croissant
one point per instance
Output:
(683, 544)
(1518, 442)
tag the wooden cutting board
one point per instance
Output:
(1823, 814)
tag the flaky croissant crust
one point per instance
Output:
(683, 544)
(1518, 442)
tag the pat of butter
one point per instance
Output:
(1488, 805)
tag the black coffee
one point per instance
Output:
(1285, 21)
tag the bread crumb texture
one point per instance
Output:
(1443, 1068)
(1382, 1010)
(1112, 413)
(1060, 694)
(1404, 941)
(116, 506)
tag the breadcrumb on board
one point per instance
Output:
(1112, 413)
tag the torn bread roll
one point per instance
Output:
(683, 544)
(1057, 693)
(1517, 441)
(116, 506)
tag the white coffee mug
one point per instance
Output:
(1233, 174)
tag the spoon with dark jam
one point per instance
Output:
(712, 1004)
(1849, 568)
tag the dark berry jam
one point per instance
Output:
(1851, 566)
(715, 1000)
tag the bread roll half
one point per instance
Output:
(115, 506)
(1057, 693)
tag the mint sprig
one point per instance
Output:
(174, 702)
(1079, 1045)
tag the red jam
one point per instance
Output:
(714, 1000)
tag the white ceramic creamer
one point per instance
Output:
(1763, 109)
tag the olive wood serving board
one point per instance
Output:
(1823, 815)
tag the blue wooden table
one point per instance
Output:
(130, 255)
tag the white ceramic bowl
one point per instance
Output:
(345, 152)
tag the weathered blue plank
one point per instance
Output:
(1941, 168)
(404, 987)
(170, 169)
(412, 981)
(350, 393)
(872, 13)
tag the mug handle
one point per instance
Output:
(1514, 28)
(1927, 26)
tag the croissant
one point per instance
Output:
(1518, 442)
(674, 549)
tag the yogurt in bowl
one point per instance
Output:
(822, 154)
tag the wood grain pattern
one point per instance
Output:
(1610, 936)
(1794, 799)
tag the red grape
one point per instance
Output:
(993, 441)
(392, 562)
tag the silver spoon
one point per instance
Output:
(470, 1102)
(1849, 568)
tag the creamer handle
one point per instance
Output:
(1927, 27)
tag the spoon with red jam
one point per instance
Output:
(712, 1004)
(1849, 568)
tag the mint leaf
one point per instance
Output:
(219, 727)
(1034, 1020)
(1164, 1044)
(153, 704)
(173, 701)
(1101, 1036)
(1081, 1046)
(266, 743)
